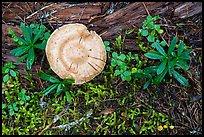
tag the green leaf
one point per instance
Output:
(23, 41)
(32, 25)
(11, 112)
(46, 35)
(15, 108)
(5, 70)
(119, 63)
(183, 64)
(108, 49)
(3, 106)
(49, 89)
(113, 62)
(153, 45)
(159, 77)
(144, 32)
(157, 27)
(151, 69)
(15, 39)
(40, 45)
(122, 57)
(23, 91)
(171, 65)
(172, 45)
(156, 17)
(163, 43)
(20, 95)
(185, 55)
(6, 78)
(123, 67)
(180, 78)
(11, 32)
(128, 78)
(19, 51)
(68, 96)
(154, 55)
(106, 43)
(68, 81)
(180, 48)
(13, 73)
(161, 67)
(123, 77)
(147, 84)
(114, 54)
(160, 49)
(150, 25)
(127, 73)
(30, 59)
(27, 97)
(26, 33)
(149, 18)
(117, 72)
(21, 102)
(151, 38)
(39, 34)
(22, 58)
(59, 90)
(47, 77)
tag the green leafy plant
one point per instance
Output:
(3, 108)
(34, 37)
(119, 60)
(170, 61)
(56, 84)
(12, 109)
(151, 31)
(107, 43)
(8, 70)
(154, 120)
(23, 97)
(118, 41)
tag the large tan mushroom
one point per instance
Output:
(74, 52)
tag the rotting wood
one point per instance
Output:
(135, 13)
(108, 25)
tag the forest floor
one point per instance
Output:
(106, 104)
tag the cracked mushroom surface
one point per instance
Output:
(74, 52)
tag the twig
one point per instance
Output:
(54, 120)
(40, 10)
(146, 8)
(82, 13)
(72, 123)
(103, 33)
(65, 7)
(15, 14)
(29, 7)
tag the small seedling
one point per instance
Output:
(34, 37)
(22, 96)
(119, 60)
(8, 70)
(12, 109)
(150, 30)
(56, 84)
(107, 43)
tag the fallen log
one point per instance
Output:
(135, 13)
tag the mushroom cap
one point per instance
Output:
(74, 52)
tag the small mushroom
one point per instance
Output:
(74, 52)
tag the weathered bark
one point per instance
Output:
(95, 13)
(135, 13)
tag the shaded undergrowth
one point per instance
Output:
(107, 104)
